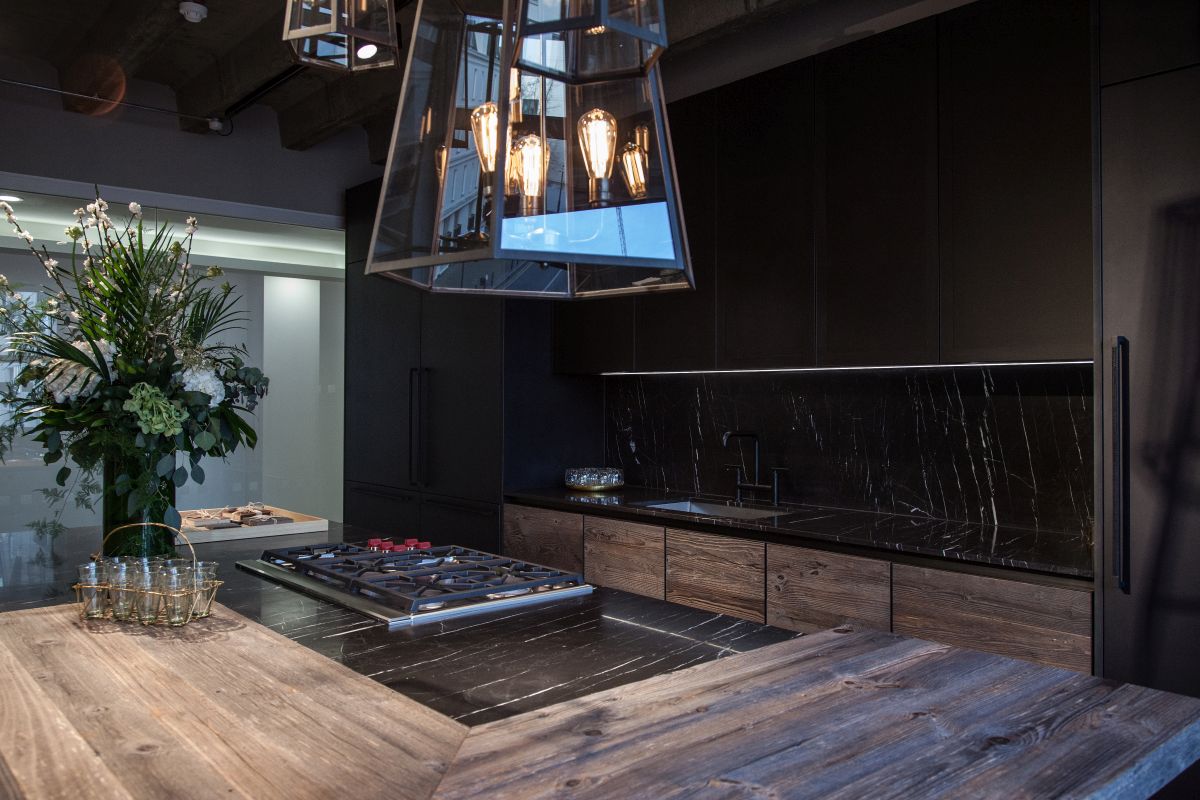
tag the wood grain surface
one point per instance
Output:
(811, 590)
(717, 573)
(841, 714)
(544, 536)
(223, 707)
(1044, 624)
(624, 555)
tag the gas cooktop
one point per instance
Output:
(418, 584)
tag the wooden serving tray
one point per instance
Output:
(303, 523)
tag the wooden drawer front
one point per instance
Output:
(811, 590)
(553, 538)
(716, 573)
(1044, 624)
(624, 555)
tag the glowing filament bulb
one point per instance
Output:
(598, 139)
(634, 165)
(531, 155)
(485, 122)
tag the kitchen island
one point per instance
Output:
(111, 710)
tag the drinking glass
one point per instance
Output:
(92, 589)
(120, 592)
(148, 598)
(178, 590)
(206, 588)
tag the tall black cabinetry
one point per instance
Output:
(434, 385)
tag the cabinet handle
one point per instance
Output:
(414, 432)
(426, 381)
(1120, 465)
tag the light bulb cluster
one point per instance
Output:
(529, 157)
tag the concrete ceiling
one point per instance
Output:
(236, 56)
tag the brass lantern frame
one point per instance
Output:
(343, 22)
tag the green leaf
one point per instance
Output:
(171, 517)
(63, 474)
(166, 465)
(204, 440)
(180, 477)
(50, 458)
(197, 473)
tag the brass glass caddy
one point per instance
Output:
(150, 591)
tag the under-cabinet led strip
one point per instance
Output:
(851, 369)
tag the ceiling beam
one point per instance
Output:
(120, 41)
(351, 100)
(248, 64)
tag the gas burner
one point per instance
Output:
(407, 586)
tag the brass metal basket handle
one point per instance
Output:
(171, 528)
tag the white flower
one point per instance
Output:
(79, 212)
(191, 221)
(100, 204)
(136, 209)
(204, 379)
(73, 232)
(27, 236)
(5, 207)
(51, 263)
(90, 222)
(3, 281)
(91, 208)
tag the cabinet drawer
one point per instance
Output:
(1045, 624)
(810, 590)
(543, 536)
(716, 573)
(624, 555)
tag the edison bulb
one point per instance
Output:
(530, 156)
(485, 122)
(634, 165)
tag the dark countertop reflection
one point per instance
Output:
(475, 669)
(1037, 551)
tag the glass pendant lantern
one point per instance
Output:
(507, 136)
(346, 35)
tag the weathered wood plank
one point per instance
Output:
(1044, 624)
(225, 706)
(544, 536)
(809, 590)
(625, 555)
(717, 573)
(866, 715)
(39, 740)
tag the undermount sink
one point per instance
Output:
(701, 508)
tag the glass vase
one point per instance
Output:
(142, 541)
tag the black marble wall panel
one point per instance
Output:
(1000, 445)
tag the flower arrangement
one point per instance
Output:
(120, 367)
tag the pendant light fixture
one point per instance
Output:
(346, 35)
(513, 118)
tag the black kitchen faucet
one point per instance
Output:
(756, 485)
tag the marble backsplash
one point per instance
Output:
(998, 445)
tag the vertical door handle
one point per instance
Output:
(1120, 462)
(426, 381)
(414, 433)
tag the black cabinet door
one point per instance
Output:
(382, 359)
(1146, 37)
(594, 336)
(361, 202)
(1016, 204)
(460, 407)
(764, 224)
(676, 330)
(877, 245)
(446, 521)
(386, 511)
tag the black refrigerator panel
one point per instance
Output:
(1148, 369)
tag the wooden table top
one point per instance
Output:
(226, 707)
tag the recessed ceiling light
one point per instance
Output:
(10, 198)
(367, 51)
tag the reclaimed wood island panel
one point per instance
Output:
(227, 708)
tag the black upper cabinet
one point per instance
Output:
(1015, 153)
(676, 330)
(764, 225)
(460, 405)
(387, 511)
(594, 336)
(1145, 37)
(877, 234)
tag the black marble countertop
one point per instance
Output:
(1034, 551)
(475, 669)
